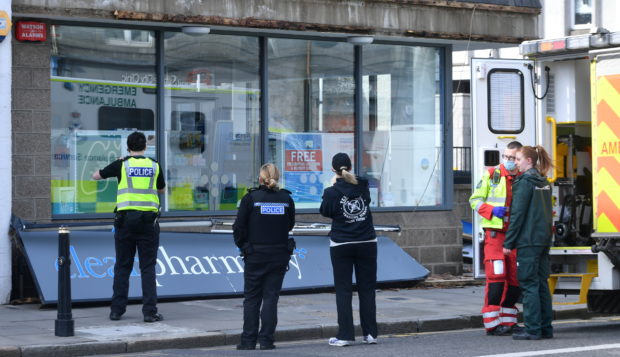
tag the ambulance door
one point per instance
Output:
(503, 110)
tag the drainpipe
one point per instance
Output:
(5, 161)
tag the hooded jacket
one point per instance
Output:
(531, 212)
(348, 206)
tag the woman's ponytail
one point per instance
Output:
(270, 175)
(544, 160)
(347, 176)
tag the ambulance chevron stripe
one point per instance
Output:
(610, 187)
(607, 154)
(614, 81)
(607, 116)
(609, 93)
(607, 207)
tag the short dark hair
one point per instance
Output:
(514, 145)
(136, 141)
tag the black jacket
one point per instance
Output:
(348, 206)
(263, 221)
(531, 212)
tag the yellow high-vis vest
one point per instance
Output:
(137, 190)
(490, 190)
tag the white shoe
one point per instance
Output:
(370, 340)
(339, 343)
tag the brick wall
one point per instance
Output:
(31, 135)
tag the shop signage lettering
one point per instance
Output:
(189, 265)
(31, 31)
(100, 267)
(110, 95)
(303, 160)
(80, 157)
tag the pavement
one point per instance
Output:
(27, 330)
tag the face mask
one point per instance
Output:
(510, 165)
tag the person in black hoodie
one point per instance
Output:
(265, 216)
(353, 245)
(531, 218)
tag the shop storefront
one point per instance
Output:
(288, 82)
(215, 106)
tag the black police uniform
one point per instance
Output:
(132, 232)
(261, 229)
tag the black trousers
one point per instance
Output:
(262, 285)
(129, 237)
(363, 258)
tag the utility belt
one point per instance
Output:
(494, 232)
(249, 248)
(136, 221)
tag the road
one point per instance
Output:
(582, 338)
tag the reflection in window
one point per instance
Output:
(311, 112)
(101, 92)
(402, 129)
(211, 119)
(583, 12)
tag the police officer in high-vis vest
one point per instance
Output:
(135, 224)
(265, 217)
(491, 200)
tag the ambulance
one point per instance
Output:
(565, 96)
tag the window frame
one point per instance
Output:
(572, 14)
(445, 106)
(522, 93)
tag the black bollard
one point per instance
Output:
(64, 321)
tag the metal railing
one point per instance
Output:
(461, 158)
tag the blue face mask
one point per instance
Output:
(510, 165)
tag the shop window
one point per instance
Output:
(402, 127)
(311, 112)
(100, 93)
(212, 149)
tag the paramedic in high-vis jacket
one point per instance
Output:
(491, 200)
(140, 179)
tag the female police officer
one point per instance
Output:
(265, 217)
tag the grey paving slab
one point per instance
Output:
(29, 330)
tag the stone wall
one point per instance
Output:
(462, 209)
(433, 238)
(420, 18)
(31, 135)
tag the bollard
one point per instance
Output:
(64, 320)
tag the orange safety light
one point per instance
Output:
(553, 45)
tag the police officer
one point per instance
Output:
(135, 224)
(265, 217)
(491, 200)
